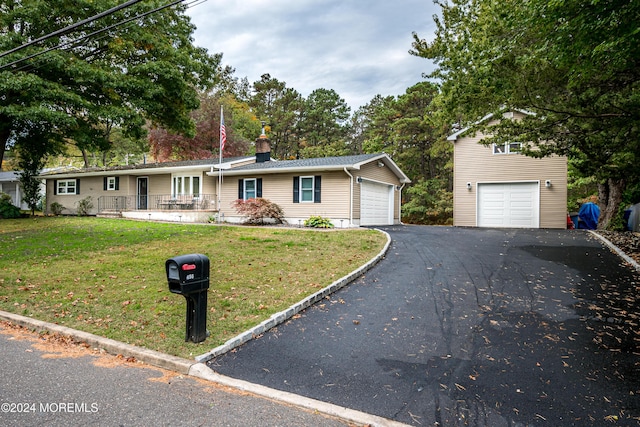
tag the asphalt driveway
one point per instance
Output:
(456, 326)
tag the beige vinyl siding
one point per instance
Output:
(476, 163)
(279, 189)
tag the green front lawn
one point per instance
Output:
(108, 277)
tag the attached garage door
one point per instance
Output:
(376, 203)
(512, 205)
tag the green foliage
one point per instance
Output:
(7, 209)
(318, 222)
(574, 64)
(430, 202)
(257, 210)
(144, 73)
(280, 107)
(84, 206)
(56, 208)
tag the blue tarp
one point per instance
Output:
(588, 216)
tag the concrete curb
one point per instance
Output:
(151, 357)
(287, 314)
(617, 250)
(202, 371)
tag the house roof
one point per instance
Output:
(9, 177)
(315, 164)
(234, 166)
(146, 168)
(454, 136)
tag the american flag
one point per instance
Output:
(223, 132)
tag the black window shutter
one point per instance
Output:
(104, 183)
(55, 187)
(259, 187)
(117, 183)
(296, 189)
(316, 188)
(78, 186)
(241, 189)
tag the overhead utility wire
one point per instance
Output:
(78, 41)
(65, 30)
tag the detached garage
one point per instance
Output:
(496, 186)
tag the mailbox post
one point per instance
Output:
(188, 275)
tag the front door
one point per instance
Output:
(143, 185)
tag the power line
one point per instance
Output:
(88, 36)
(71, 27)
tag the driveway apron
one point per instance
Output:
(458, 326)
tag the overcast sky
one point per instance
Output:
(359, 48)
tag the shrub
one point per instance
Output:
(258, 209)
(84, 206)
(7, 209)
(56, 208)
(318, 222)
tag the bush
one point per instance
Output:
(56, 208)
(84, 206)
(258, 209)
(7, 209)
(318, 222)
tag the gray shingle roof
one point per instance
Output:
(318, 162)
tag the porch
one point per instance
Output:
(165, 207)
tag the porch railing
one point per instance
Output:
(156, 202)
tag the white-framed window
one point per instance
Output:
(507, 148)
(186, 185)
(67, 186)
(111, 183)
(306, 189)
(249, 188)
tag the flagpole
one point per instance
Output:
(223, 137)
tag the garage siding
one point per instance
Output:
(475, 163)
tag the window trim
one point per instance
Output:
(316, 188)
(244, 188)
(304, 191)
(507, 148)
(183, 191)
(58, 186)
(111, 183)
(242, 194)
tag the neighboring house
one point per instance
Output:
(350, 190)
(10, 184)
(495, 186)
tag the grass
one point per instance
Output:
(107, 277)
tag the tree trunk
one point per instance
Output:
(85, 157)
(4, 137)
(609, 199)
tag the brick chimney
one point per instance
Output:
(263, 147)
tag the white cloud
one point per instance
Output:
(357, 48)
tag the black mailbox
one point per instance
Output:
(188, 275)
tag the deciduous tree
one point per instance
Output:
(575, 65)
(80, 85)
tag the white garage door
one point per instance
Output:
(513, 205)
(376, 203)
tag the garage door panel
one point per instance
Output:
(375, 204)
(508, 205)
